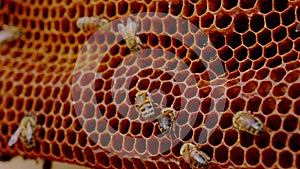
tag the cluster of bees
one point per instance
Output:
(243, 121)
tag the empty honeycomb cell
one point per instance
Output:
(294, 91)
(262, 74)
(214, 5)
(237, 104)
(49, 121)
(195, 119)
(164, 146)
(82, 138)
(188, 9)
(279, 34)
(140, 145)
(291, 56)
(269, 157)
(237, 155)
(279, 140)
(272, 20)
(71, 137)
(297, 107)
(147, 129)
(152, 146)
(117, 142)
(250, 86)
(234, 40)
(215, 137)
(55, 149)
(249, 39)
(248, 75)
(223, 20)
(232, 65)
(285, 159)
(292, 65)
(201, 8)
(111, 111)
(222, 105)
(77, 124)
(288, 16)
(268, 105)
(256, 22)
(211, 120)
(128, 143)
(263, 140)
(264, 37)
(233, 92)
(231, 137)
(57, 122)
(101, 158)
(290, 123)
(115, 161)
(270, 50)
(186, 133)
(218, 92)
(254, 104)
(112, 128)
(207, 105)
(277, 74)
(200, 135)
(67, 151)
(135, 128)
(241, 22)
(246, 139)
(252, 156)
(285, 46)
(124, 126)
(294, 142)
(221, 153)
(217, 39)
(105, 139)
(225, 121)
(138, 164)
(264, 88)
(280, 89)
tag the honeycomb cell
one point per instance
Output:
(221, 153)
(256, 22)
(294, 91)
(290, 123)
(237, 155)
(246, 139)
(200, 135)
(280, 89)
(223, 21)
(294, 142)
(249, 39)
(269, 157)
(279, 140)
(231, 137)
(252, 156)
(264, 88)
(285, 159)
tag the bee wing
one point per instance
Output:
(29, 131)
(121, 29)
(131, 27)
(14, 138)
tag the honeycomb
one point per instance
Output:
(205, 59)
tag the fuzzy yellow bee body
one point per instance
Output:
(129, 33)
(9, 33)
(93, 24)
(144, 104)
(247, 122)
(195, 158)
(166, 119)
(26, 130)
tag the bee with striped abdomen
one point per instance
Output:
(9, 33)
(247, 122)
(166, 119)
(195, 158)
(93, 24)
(26, 130)
(144, 104)
(129, 33)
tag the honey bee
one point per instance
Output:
(166, 119)
(192, 156)
(26, 129)
(9, 33)
(144, 104)
(247, 122)
(129, 33)
(92, 24)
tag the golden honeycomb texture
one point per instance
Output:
(81, 86)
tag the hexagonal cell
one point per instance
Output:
(256, 22)
(231, 137)
(221, 154)
(269, 157)
(252, 156)
(237, 155)
(223, 20)
(285, 159)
